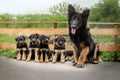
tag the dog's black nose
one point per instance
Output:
(46, 41)
(20, 42)
(60, 43)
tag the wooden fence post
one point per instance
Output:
(116, 43)
(55, 27)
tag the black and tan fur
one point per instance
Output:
(82, 42)
(59, 49)
(44, 51)
(34, 47)
(21, 48)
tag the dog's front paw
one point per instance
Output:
(46, 61)
(74, 64)
(41, 61)
(28, 60)
(53, 61)
(36, 60)
(79, 65)
(62, 61)
(23, 58)
(73, 61)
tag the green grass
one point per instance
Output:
(103, 39)
(109, 56)
(7, 38)
(8, 53)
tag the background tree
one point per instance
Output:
(61, 8)
(106, 11)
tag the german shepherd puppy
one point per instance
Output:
(33, 47)
(21, 48)
(59, 49)
(44, 50)
(82, 42)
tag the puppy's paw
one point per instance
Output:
(53, 61)
(41, 61)
(36, 60)
(28, 60)
(79, 65)
(46, 61)
(62, 61)
(74, 64)
(23, 58)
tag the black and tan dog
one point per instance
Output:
(21, 48)
(44, 51)
(34, 47)
(82, 42)
(59, 49)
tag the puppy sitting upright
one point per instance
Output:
(59, 49)
(33, 47)
(21, 48)
(44, 48)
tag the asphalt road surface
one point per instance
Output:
(11, 69)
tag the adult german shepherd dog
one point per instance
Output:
(84, 47)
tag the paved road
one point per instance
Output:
(10, 69)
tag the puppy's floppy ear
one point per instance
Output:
(16, 39)
(23, 37)
(64, 40)
(86, 13)
(71, 10)
(55, 39)
(30, 36)
(48, 38)
(38, 35)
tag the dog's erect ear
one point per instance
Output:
(71, 10)
(86, 13)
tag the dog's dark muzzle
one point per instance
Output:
(20, 43)
(46, 41)
(60, 43)
(34, 41)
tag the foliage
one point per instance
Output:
(32, 18)
(61, 8)
(106, 11)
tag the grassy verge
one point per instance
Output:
(8, 53)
